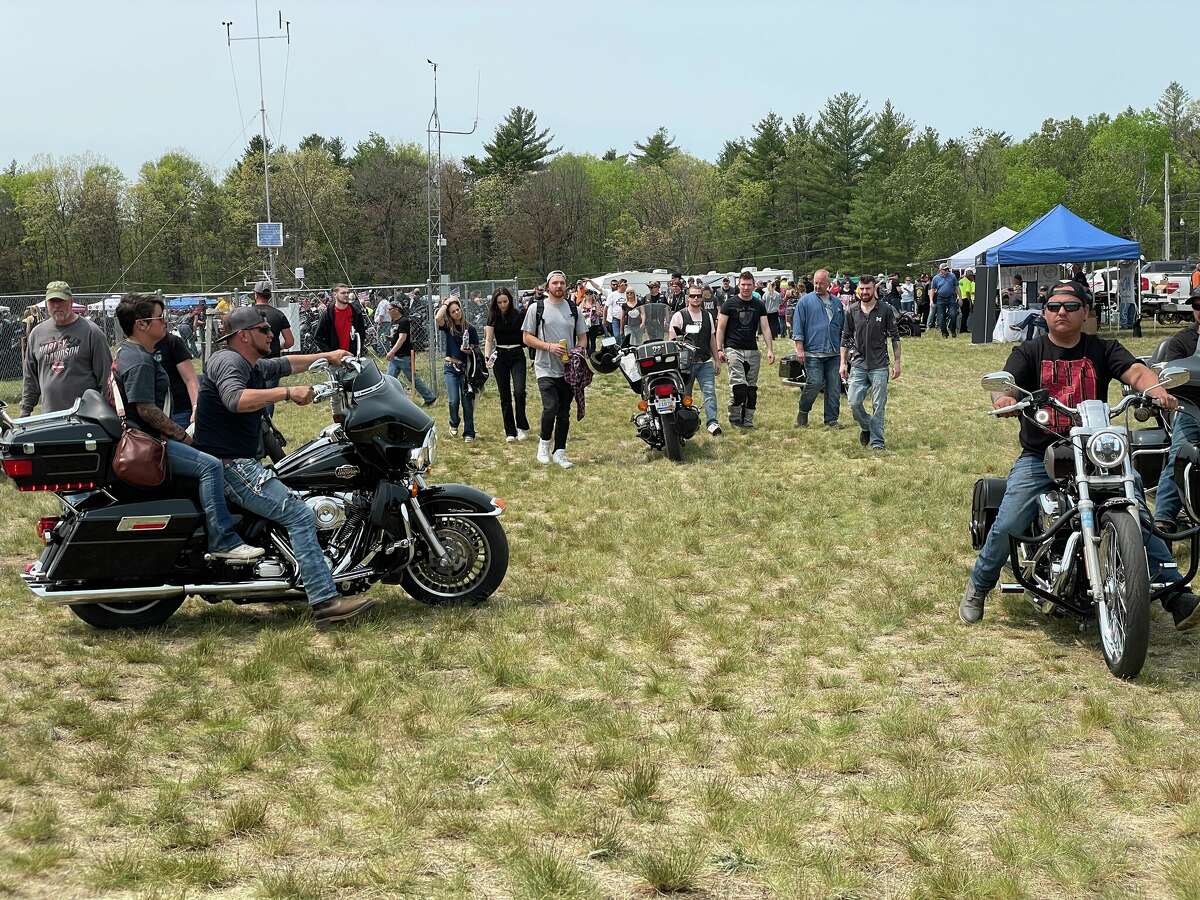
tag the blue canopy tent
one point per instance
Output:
(1059, 236)
(184, 302)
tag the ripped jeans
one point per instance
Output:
(257, 490)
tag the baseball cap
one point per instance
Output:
(944, 265)
(1070, 289)
(241, 319)
(59, 290)
(263, 287)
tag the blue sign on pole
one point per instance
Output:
(270, 234)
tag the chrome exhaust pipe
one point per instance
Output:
(107, 595)
(241, 588)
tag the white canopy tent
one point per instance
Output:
(966, 256)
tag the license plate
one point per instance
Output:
(608, 341)
(665, 404)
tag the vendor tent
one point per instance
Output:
(1061, 236)
(966, 256)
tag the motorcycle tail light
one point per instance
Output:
(687, 400)
(664, 390)
(18, 468)
(643, 405)
(55, 487)
(45, 525)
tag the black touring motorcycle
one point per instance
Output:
(1084, 555)
(119, 556)
(659, 371)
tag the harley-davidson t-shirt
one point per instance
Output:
(1072, 374)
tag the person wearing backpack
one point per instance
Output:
(552, 326)
(461, 341)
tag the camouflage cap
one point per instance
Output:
(59, 290)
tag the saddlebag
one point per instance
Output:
(985, 503)
(1187, 478)
(1149, 448)
(65, 451)
(791, 370)
(687, 419)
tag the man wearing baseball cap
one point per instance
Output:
(1184, 431)
(944, 289)
(233, 394)
(1072, 366)
(66, 355)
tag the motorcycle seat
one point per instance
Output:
(94, 408)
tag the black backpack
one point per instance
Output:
(540, 307)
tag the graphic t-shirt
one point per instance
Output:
(742, 329)
(1072, 374)
(62, 363)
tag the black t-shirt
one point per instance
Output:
(402, 326)
(742, 329)
(278, 322)
(1072, 374)
(220, 431)
(866, 335)
(169, 353)
(1182, 344)
(508, 330)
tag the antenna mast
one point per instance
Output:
(286, 28)
(433, 182)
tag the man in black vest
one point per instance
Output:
(696, 326)
(233, 394)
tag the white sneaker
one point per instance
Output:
(560, 459)
(509, 439)
(543, 454)
(469, 439)
(241, 552)
(453, 432)
(521, 434)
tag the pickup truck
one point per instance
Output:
(1166, 285)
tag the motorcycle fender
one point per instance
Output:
(462, 498)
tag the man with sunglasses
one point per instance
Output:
(697, 326)
(1072, 366)
(1186, 430)
(233, 393)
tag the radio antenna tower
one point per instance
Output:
(285, 26)
(433, 182)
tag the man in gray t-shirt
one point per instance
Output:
(560, 328)
(67, 355)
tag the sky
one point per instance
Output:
(128, 81)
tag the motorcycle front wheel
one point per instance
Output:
(671, 442)
(477, 561)
(1124, 613)
(136, 614)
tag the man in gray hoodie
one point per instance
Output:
(67, 355)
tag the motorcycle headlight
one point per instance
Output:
(1106, 449)
(424, 456)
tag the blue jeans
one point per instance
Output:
(947, 316)
(189, 462)
(822, 374)
(257, 490)
(1017, 511)
(615, 326)
(1167, 500)
(456, 393)
(402, 365)
(182, 419)
(877, 381)
(705, 374)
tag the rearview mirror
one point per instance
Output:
(1174, 377)
(319, 365)
(1000, 382)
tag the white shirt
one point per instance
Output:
(381, 313)
(614, 302)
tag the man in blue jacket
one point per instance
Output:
(817, 331)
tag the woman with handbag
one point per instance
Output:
(140, 389)
(461, 337)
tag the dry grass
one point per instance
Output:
(738, 677)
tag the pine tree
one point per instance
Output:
(1172, 109)
(730, 152)
(841, 148)
(517, 147)
(657, 149)
(767, 148)
(610, 155)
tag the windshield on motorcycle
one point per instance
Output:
(647, 322)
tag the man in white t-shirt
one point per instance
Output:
(613, 302)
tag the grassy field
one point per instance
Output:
(739, 677)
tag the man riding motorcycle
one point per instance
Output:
(233, 394)
(1073, 367)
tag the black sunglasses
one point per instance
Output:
(1064, 306)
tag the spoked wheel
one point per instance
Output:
(476, 562)
(136, 614)
(671, 442)
(1124, 613)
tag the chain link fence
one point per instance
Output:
(199, 320)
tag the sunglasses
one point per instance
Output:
(1064, 306)
(695, 296)
(261, 329)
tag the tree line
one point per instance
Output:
(848, 188)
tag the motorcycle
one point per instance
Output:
(1084, 555)
(119, 556)
(659, 371)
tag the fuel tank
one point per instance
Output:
(326, 465)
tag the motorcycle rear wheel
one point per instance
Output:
(1123, 615)
(480, 548)
(672, 444)
(137, 614)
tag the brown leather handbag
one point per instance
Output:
(139, 459)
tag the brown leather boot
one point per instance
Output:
(339, 609)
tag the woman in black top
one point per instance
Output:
(505, 351)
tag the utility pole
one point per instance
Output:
(286, 28)
(435, 239)
(1166, 206)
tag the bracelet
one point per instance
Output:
(287, 395)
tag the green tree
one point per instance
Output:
(656, 150)
(517, 148)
